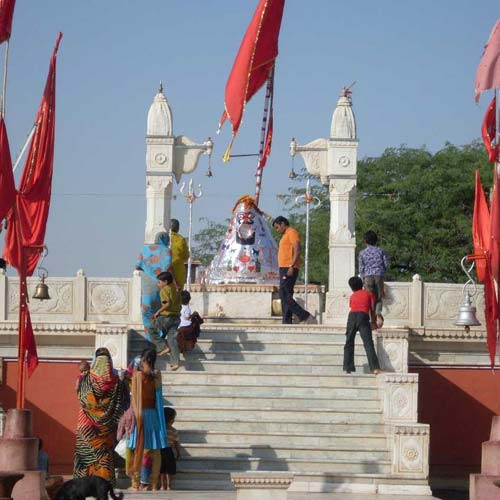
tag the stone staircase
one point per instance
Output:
(275, 398)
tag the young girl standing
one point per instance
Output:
(150, 434)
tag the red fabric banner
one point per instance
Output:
(30, 344)
(6, 15)
(27, 221)
(488, 71)
(255, 58)
(480, 228)
(495, 228)
(488, 131)
(268, 143)
(490, 312)
(7, 186)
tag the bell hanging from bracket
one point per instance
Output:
(467, 312)
(42, 289)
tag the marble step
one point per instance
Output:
(347, 441)
(197, 355)
(271, 401)
(285, 451)
(273, 347)
(262, 367)
(173, 389)
(240, 373)
(305, 415)
(352, 485)
(337, 466)
(185, 421)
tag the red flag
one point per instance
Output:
(7, 186)
(269, 140)
(480, 228)
(6, 15)
(488, 71)
(490, 312)
(28, 219)
(489, 130)
(254, 61)
(495, 228)
(30, 345)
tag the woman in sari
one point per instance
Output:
(150, 433)
(101, 394)
(153, 260)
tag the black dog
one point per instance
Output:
(91, 486)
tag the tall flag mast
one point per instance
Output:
(27, 219)
(252, 68)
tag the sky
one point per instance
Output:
(414, 65)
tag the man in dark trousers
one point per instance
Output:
(289, 264)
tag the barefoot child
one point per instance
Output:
(168, 458)
(362, 309)
(167, 319)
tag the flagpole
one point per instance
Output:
(23, 149)
(4, 86)
(21, 363)
(263, 134)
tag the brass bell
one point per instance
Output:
(467, 314)
(42, 291)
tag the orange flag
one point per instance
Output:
(480, 228)
(254, 61)
(482, 238)
(495, 227)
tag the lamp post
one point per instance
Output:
(191, 197)
(308, 199)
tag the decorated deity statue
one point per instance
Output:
(248, 253)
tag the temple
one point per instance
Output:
(258, 395)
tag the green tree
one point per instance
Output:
(420, 204)
(208, 240)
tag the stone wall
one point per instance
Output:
(79, 299)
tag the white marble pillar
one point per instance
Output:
(167, 158)
(334, 161)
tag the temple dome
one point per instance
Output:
(343, 121)
(160, 116)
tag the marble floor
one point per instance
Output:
(231, 495)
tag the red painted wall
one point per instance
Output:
(51, 395)
(459, 405)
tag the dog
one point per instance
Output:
(90, 486)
